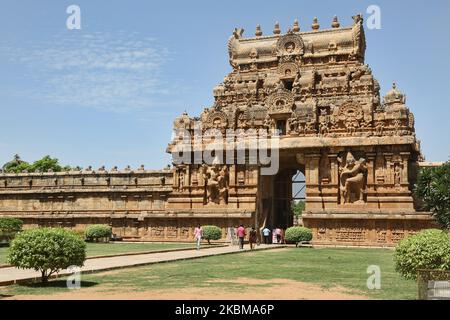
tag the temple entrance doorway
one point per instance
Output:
(288, 188)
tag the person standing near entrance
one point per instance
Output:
(252, 238)
(198, 234)
(266, 235)
(241, 235)
(278, 234)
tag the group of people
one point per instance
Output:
(241, 233)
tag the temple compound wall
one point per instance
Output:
(312, 91)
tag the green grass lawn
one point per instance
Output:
(327, 267)
(98, 249)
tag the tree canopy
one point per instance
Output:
(433, 188)
(45, 164)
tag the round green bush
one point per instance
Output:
(10, 224)
(428, 249)
(8, 229)
(47, 250)
(97, 231)
(297, 235)
(211, 233)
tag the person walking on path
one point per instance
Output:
(198, 234)
(241, 235)
(266, 235)
(252, 238)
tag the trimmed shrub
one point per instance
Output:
(98, 231)
(10, 224)
(8, 229)
(297, 235)
(429, 249)
(211, 233)
(47, 250)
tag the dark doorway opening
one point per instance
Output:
(289, 188)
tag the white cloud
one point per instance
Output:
(115, 71)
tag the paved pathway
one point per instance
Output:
(11, 275)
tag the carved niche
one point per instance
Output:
(216, 120)
(290, 44)
(351, 116)
(280, 101)
(353, 179)
(288, 70)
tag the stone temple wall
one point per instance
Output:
(134, 203)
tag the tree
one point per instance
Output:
(47, 250)
(15, 165)
(298, 207)
(45, 164)
(433, 188)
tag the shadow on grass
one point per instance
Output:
(56, 284)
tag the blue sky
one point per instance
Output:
(107, 94)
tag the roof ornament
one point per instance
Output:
(358, 18)
(238, 32)
(315, 25)
(258, 31)
(276, 28)
(296, 27)
(335, 24)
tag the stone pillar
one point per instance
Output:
(372, 199)
(313, 195)
(330, 191)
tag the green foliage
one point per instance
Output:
(429, 249)
(10, 224)
(9, 228)
(47, 250)
(211, 233)
(45, 164)
(297, 208)
(433, 188)
(42, 165)
(97, 231)
(15, 165)
(297, 235)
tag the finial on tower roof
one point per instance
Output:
(296, 27)
(315, 25)
(258, 31)
(276, 28)
(335, 23)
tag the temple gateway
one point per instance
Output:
(358, 153)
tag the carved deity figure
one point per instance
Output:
(397, 175)
(353, 180)
(216, 183)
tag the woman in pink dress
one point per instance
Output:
(198, 234)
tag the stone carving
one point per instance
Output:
(288, 70)
(353, 180)
(280, 101)
(351, 116)
(217, 180)
(290, 44)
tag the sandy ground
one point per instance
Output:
(282, 290)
